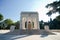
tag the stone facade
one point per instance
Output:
(29, 19)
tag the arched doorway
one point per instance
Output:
(29, 25)
(29, 28)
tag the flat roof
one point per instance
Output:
(29, 12)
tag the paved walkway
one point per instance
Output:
(31, 37)
(43, 36)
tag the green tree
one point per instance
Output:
(9, 22)
(58, 18)
(55, 7)
(17, 24)
(1, 17)
(41, 23)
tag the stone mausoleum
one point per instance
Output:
(29, 22)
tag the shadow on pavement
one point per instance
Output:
(46, 33)
(9, 36)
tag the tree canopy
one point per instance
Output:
(58, 18)
(55, 7)
(8, 21)
(1, 17)
(17, 24)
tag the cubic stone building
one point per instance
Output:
(29, 21)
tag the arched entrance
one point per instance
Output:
(29, 28)
(29, 25)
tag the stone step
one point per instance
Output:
(30, 32)
(24, 32)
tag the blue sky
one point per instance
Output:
(11, 9)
